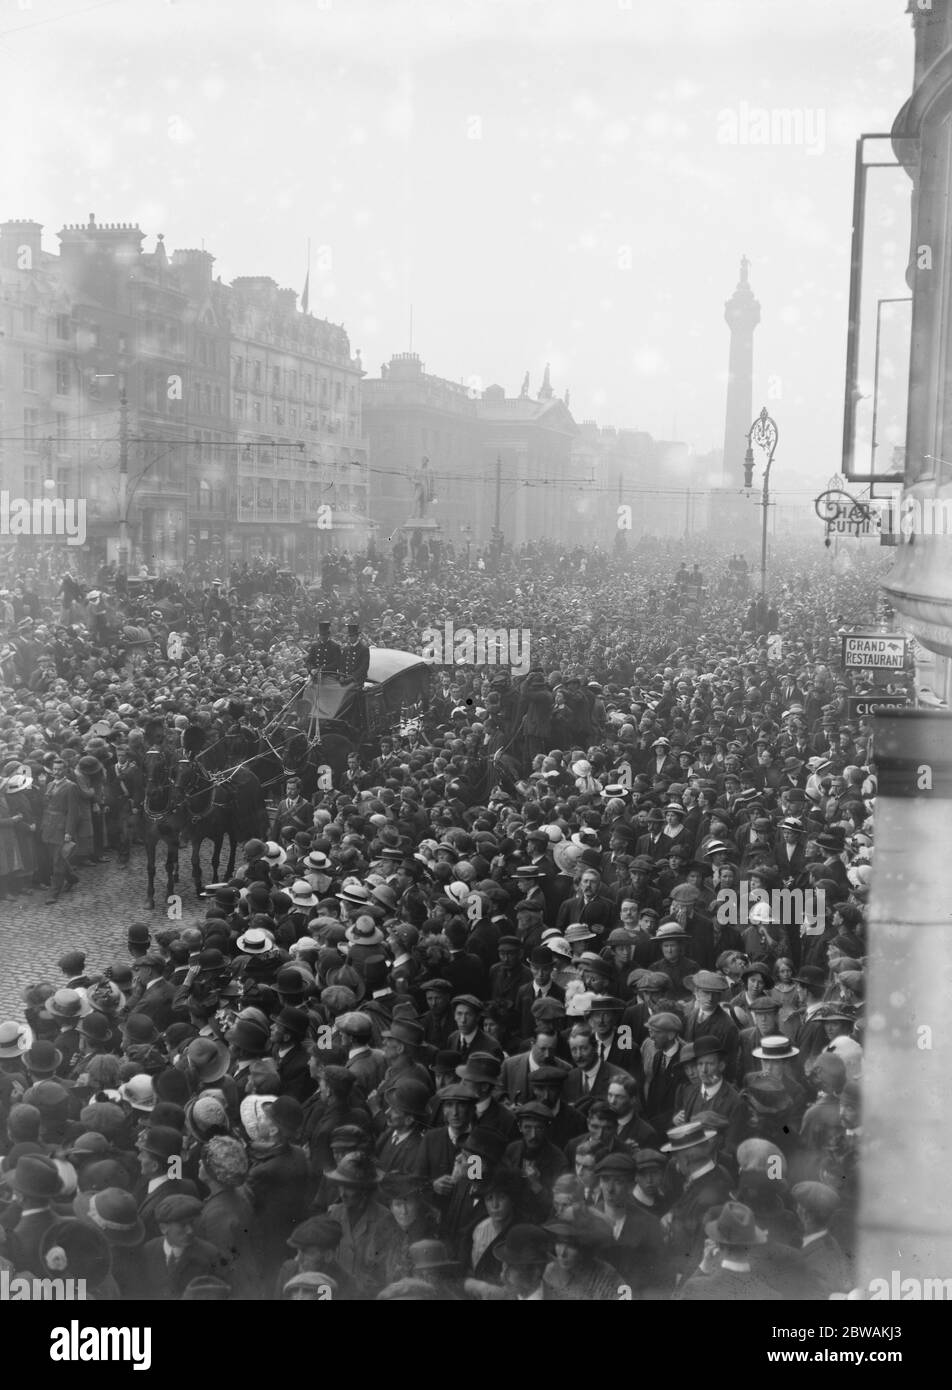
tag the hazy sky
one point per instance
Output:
(571, 181)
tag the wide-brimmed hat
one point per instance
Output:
(687, 1136)
(208, 1058)
(356, 1170)
(302, 895)
(273, 853)
(775, 1048)
(35, 1175)
(15, 1038)
(406, 1031)
(354, 893)
(364, 932)
(480, 1066)
(255, 941)
(114, 1212)
(735, 1225)
(43, 1059)
(578, 931)
(69, 1004)
(138, 1092)
(671, 931)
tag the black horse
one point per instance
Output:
(215, 804)
(162, 819)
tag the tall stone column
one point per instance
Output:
(742, 312)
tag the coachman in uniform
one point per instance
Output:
(324, 656)
(355, 661)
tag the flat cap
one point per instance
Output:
(179, 1207)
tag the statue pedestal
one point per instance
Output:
(426, 526)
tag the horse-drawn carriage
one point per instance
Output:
(397, 689)
(219, 787)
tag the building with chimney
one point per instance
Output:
(228, 420)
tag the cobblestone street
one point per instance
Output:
(95, 917)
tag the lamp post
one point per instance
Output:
(764, 433)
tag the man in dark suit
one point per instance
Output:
(37, 1182)
(464, 970)
(481, 1071)
(805, 1027)
(158, 993)
(653, 844)
(508, 976)
(614, 1041)
(588, 1080)
(662, 1071)
(540, 854)
(591, 905)
(177, 1255)
(441, 1149)
(710, 1092)
(725, 1271)
(287, 1037)
(546, 1086)
(540, 986)
(468, 1037)
(621, 847)
(820, 1253)
(60, 827)
(533, 1153)
(293, 809)
(160, 1162)
(519, 1069)
(706, 1018)
(705, 1185)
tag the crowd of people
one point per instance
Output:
(557, 995)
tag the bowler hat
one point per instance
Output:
(161, 1141)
